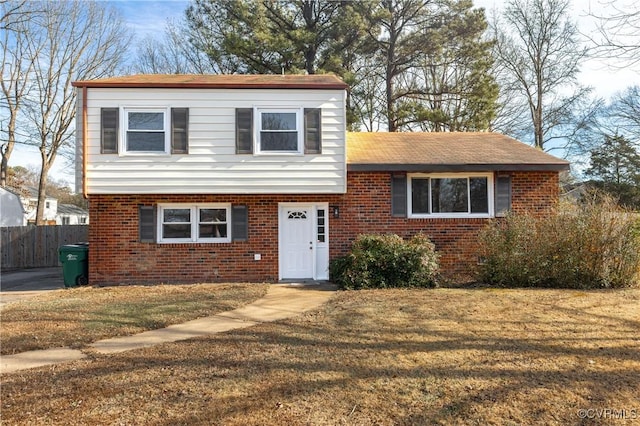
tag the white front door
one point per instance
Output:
(297, 241)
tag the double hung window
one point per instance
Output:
(279, 131)
(146, 130)
(272, 131)
(194, 223)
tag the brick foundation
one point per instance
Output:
(117, 257)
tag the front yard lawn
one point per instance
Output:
(386, 357)
(77, 316)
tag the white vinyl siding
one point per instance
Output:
(212, 165)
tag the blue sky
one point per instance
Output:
(149, 18)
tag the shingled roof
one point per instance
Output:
(445, 152)
(219, 81)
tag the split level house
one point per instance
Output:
(255, 178)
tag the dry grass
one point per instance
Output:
(77, 316)
(385, 357)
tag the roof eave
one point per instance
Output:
(272, 86)
(444, 168)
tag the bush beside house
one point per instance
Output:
(596, 245)
(387, 261)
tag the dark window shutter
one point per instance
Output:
(503, 195)
(399, 195)
(179, 130)
(244, 131)
(109, 130)
(147, 224)
(239, 223)
(312, 131)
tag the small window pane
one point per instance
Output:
(449, 196)
(279, 121)
(213, 215)
(176, 230)
(146, 121)
(479, 195)
(420, 196)
(321, 230)
(279, 141)
(177, 215)
(147, 141)
(207, 230)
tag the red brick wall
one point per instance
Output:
(116, 256)
(367, 209)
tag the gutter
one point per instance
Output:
(444, 168)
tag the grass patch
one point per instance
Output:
(387, 357)
(77, 316)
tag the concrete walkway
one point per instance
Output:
(281, 301)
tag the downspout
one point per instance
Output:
(85, 137)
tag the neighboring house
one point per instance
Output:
(11, 211)
(69, 214)
(30, 204)
(255, 178)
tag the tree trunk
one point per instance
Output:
(42, 188)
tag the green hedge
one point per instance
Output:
(595, 245)
(386, 261)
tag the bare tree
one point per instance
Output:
(67, 41)
(619, 116)
(9, 11)
(173, 53)
(618, 32)
(16, 69)
(539, 56)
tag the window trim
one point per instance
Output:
(167, 129)
(195, 221)
(300, 129)
(490, 195)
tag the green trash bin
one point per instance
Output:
(75, 264)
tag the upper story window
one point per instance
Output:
(146, 131)
(180, 223)
(133, 130)
(279, 131)
(450, 195)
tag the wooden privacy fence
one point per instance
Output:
(37, 246)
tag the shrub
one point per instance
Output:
(386, 261)
(595, 245)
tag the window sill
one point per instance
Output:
(185, 242)
(278, 153)
(451, 216)
(145, 154)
